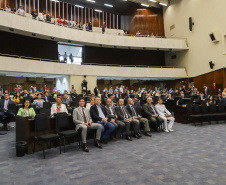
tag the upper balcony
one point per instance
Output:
(29, 27)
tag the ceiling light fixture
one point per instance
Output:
(98, 10)
(91, 1)
(79, 6)
(153, 1)
(163, 4)
(109, 5)
(144, 5)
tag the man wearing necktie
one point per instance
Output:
(100, 115)
(124, 116)
(152, 115)
(206, 91)
(135, 115)
(119, 125)
(5, 114)
(83, 121)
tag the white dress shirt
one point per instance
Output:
(63, 108)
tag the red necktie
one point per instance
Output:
(84, 115)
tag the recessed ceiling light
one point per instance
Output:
(152, 1)
(108, 5)
(163, 4)
(144, 5)
(98, 10)
(91, 1)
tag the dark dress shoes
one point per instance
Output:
(104, 141)
(139, 135)
(84, 147)
(128, 138)
(136, 136)
(97, 144)
(148, 134)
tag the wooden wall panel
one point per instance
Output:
(148, 21)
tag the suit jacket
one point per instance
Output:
(2, 102)
(78, 117)
(68, 101)
(95, 113)
(130, 110)
(96, 92)
(136, 104)
(109, 112)
(120, 113)
(48, 98)
(148, 110)
(208, 91)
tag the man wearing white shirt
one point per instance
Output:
(21, 11)
(165, 115)
(8, 9)
(83, 121)
(41, 16)
(58, 107)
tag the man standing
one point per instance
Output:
(100, 115)
(136, 116)
(119, 125)
(5, 114)
(103, 27)
(151, 114)
(165, 115)
(124, 116)
(96, 90)
(206, 91)
(83, 121)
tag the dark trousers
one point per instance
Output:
(134, 124)
(156, 122)
(5, 117)
(119, 126)
(107, 129)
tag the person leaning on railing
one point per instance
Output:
(34, 14)
(26, 110)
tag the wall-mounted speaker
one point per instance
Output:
(191, 24)
(215, 36)
(211, 64)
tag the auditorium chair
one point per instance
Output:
(41, 125)
(45, 111)
(63, 128)
(46, 105)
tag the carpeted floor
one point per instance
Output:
(190, 155)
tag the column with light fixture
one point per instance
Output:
(106, 20)
(71, 12)
(78, 16)
(92, 17)
(46, 7)
(99, 19)
(113, 21)
(75, 14)
(25, 7)
(38, 6)
(110, 20)
(117, 21)
(103, 17)
(63, 10)
(67, 12)
(29, 6)
(85, 16)
(82, 16)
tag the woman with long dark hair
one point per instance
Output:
(26, 110)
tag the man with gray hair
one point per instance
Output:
(152, 114)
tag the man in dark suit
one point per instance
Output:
(136, 102)
(202, 97)
(151, 114)
(131, 109)
(100, 115)
(206, 91)
(96, 90)
(124, 116)
(183, 89)
(119, 125)
(5, 115)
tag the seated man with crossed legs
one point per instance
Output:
(83, 121)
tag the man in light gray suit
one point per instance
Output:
(83, 121)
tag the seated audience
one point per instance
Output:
(41, 16)
(219, 97)
(14, 10)
(100, 115)
(58, 106)
(90, 104)
(46, 97)
(26, 110)
(66, 100)
(8, 9)
(202, 97)
(152, 114)
(69, 25)
(165, 115)
(210, 101)
(138, 32)
(21, 11)
(34, 14)
(5, 114)
(48, 18)
(133, 112)
(59, 21)
(87, 27)
(90, 26)
(80, 26)
(17, 98)
(125, 117)
(39, 101)
(136, 102)
(83, 121)
(224, 93)
(119, 125)
(152, 35)
(64, 22)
